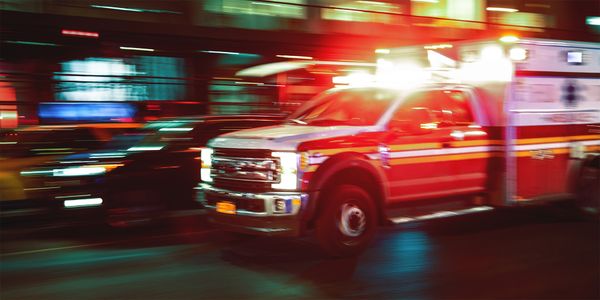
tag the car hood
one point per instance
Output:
(281, 137)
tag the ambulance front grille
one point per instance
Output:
(245, 170)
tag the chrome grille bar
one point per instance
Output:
(250, 169)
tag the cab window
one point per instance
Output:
(421, 100)
(445, 107)
(457, 103)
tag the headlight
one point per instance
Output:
(288, 171)
(206, 161)
(85, 170)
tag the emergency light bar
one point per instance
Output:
(444, 63)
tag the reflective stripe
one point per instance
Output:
(433, 152)
(551, 151)
(444, 151)
(591, 143)
(415, 146)
(340, 150)
(476, 143)
(438, 158)
(558, 139)
(542, 146)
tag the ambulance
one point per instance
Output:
(439, 130)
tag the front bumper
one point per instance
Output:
(262, 217)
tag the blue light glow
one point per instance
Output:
(87, 112)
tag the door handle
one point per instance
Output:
(458, 135)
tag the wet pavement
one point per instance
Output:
(533, 253)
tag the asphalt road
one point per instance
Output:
(518, 254)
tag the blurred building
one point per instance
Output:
(166, 58)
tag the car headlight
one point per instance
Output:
(288, 172)
(206, 163)
(85, 170)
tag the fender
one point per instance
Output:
(338, 163)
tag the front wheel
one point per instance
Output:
(348, 223)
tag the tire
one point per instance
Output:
(133, 208)
(348, 223)
(588, 190)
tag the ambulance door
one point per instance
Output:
(415, 162)
(468, 151)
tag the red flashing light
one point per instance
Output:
(80, 33)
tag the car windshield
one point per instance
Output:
(356, 107)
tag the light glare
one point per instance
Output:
(206, 161)
(294, 56)
(491, 53)
(289, 170)
(518, 54)
(148, 148)
(595, 21)
(177, 129)
(83, 202)
(136, 49)
(80, 33)
(509, 39)
(117, 8)
(501, 9)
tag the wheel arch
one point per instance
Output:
(576, 167)
(348, 168)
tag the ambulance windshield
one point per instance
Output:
(355, 107)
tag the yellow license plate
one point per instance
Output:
(226, 208)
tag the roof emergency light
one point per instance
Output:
(440, 61)
(358, 78)
(509, 39)
(490, 62)
(492, 65)
(402, 75)
(518, 54)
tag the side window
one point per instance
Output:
(456, 105)
(422, 100)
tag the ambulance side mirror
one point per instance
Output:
(418, 121)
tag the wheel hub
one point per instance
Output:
(352, 220)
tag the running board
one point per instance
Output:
(441, 214)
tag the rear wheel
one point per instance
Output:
(348, 223)
(588, 189)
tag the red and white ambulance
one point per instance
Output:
(441, 130)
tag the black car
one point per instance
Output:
(29, 146)
(140, 182)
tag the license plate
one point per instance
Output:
(226, 207)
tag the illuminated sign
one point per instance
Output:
(61, 112)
